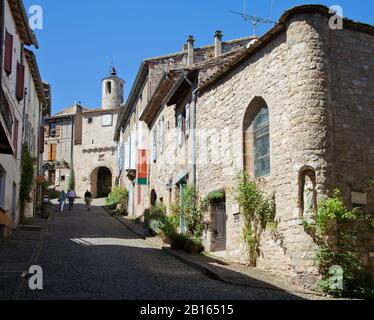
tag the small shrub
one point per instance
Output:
(334, 233)
(194, 245)
(53, 194)
(156, 212)
(26, 221)
(178, 241)
(154, 227)
(118, 196)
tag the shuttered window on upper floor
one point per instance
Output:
(52, 152)
(8, 53)
(154, 144)
(187, 120)
(20, 83)
(41, 140)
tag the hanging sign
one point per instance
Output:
(142, 168)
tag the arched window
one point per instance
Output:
(261, 143)
(257, 139)
(109, 87)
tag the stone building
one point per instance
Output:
(294, 109)
(133, 136)
(23, 104)
(80, 140)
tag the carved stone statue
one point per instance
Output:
(309, 199)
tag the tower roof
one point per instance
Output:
(113, 74)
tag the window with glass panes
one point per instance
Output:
(261, 143)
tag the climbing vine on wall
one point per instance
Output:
(335, 230)
(71, 184)
(258, 213)
(192, 212)
(27, 177)
(211, 197)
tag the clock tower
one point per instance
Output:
(112, 94)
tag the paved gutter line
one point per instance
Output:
(203, 269)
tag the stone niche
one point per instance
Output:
(307, 202)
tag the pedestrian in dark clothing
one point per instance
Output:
(88, 200)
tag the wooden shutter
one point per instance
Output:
(54, 152)
(180, 129)
(20, 84)
(58, 130)
(133, 152)
(8, 53)
(49, 152)
(41, 140)
(187, 120)
(15, 137)
(127, 155)
(162, 135)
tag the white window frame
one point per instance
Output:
(154, 144)
(180, 129)
(127, 154)
(162, 135)
(187, 120)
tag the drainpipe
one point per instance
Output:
(23, 117)
(193, 112)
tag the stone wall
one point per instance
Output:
(352, 112)
(97, 150)
(316, 83)
(289, 74)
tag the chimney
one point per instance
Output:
(190, 51)
(218, 44)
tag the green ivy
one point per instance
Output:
(71, 184)
(118, 199)
(192, 212)
(258, 213)
(27, 177)
(211, 197)
(335, 230)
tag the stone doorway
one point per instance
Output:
(219, 216)
(101, 182)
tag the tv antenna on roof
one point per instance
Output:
(253, 19)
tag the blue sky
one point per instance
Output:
(81, 38)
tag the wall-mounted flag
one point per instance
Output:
(142, 168)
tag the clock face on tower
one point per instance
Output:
(107, 120)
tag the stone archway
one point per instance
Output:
(101, 182)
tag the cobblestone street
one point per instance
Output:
(90, 255)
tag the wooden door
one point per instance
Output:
(219, 223)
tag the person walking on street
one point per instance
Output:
(88, 200)
(62, 201)
(71, 198)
